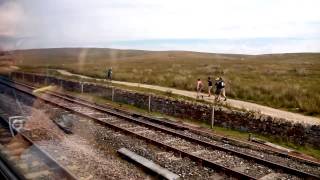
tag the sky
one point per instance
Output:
(228, 26)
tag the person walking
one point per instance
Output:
(199, 88)
(209, 86)
(109, 74)
(220, 89)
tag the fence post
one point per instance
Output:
(112, 97)
(46, 80)
(61, 83)
(212, 117)
(81, 87)
(149, 104)
(250, 137)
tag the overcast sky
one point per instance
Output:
(228, 26)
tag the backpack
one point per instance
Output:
(221, 84)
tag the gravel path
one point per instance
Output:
(233, 103)
(84, 160)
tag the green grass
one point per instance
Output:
(283, 81)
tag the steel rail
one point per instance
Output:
(54, 166)
(173, 125)
(203, 161)
(136, 120)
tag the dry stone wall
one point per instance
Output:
(244, 121)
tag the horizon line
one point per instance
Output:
(129, 49)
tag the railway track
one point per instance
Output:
(26, 159)
(183, 128)
(240, 163)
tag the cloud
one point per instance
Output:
(238, 46)
(99, 23)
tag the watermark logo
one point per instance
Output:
(16, 123)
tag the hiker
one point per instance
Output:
(109, 74)
(199, 88)
(220, 89)
(209, 86)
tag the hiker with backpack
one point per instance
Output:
(220, 89)
(209, 86)
(109, 74)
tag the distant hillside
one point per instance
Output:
(70, 55)
(94, 55)
(99, 55)
(6, 59)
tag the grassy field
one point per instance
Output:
(283, 81)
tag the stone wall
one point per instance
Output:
(244, 121)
